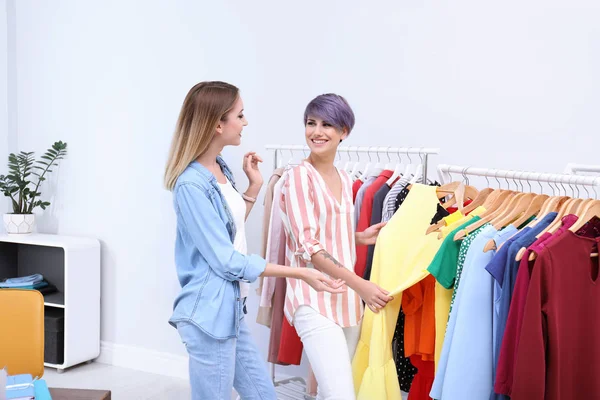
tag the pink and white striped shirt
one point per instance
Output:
(314, 221)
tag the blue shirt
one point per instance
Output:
(208, 267)
(464, 369)
(525, 239)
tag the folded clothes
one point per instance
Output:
(30, 280)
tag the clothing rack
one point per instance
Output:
(445, 173)
(422, 152)
(575, 169)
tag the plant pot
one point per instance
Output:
(19, 223)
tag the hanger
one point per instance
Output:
(396, 172)
(378, 168)
(389, 166)
(418, 169)
(503, 200)
(349, 162)
(454, 188)
(365, 173)
(354, 172)
(481, 198)
(534, 209)
(408, 171)
(520, 204)
(592, 209)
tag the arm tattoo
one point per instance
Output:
(328, 256)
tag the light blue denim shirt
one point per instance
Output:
(208, 267)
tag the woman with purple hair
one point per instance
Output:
(317, 211)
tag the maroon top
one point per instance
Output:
(558, 356)
(510, 341)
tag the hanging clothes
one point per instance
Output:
(402, 255)
(273, 249)
(360, 195)
(365, 219)
(558, 355)
(471, 253)
(508, 280)
(355, 187)
(376, 216)
(506, 360)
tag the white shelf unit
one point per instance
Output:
(72, 264)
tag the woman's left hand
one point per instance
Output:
(369, 235)
(251, 170)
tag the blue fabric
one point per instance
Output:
(41, 390)
(208, 267)
(18, 386)
(218, 366)
(464, 369)
(22, 281)
(508, 283)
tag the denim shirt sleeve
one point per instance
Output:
(210, 236)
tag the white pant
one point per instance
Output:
(330, 349)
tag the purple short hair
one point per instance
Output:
(331, 108)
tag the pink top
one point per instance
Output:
(314, 221)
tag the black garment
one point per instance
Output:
(440, 213)
(404, 368)
(400, 198)
(376, 216)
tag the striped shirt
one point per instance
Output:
(314, 220)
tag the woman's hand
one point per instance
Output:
(251, 170)
(369, 235)
(375, 297)
(321, 282)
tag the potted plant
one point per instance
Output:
(23, 188)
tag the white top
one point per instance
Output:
(237, 206)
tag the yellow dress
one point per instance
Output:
(402, 255)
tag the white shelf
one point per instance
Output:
(72, 264)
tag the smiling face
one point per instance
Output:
(328, 119)
(322, 137)
(230, 128)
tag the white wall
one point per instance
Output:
(3, 95)
(506, 85)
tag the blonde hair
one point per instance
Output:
(205, 105)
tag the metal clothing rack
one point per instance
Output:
(294, 388)
(518, 177)
(577, 169)
(422, 152)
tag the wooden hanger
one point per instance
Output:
(470, 192)
(534, 209)
(569, 207)
(479, 200)
(553, 230)
(591, 210)
(513, 210)
(503, 199)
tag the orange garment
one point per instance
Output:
(418, 303)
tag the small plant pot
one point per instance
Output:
(19, 224)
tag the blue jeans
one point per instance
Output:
(219, 365)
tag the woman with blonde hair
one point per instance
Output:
(210, 248)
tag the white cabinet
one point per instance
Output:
(72, 264)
